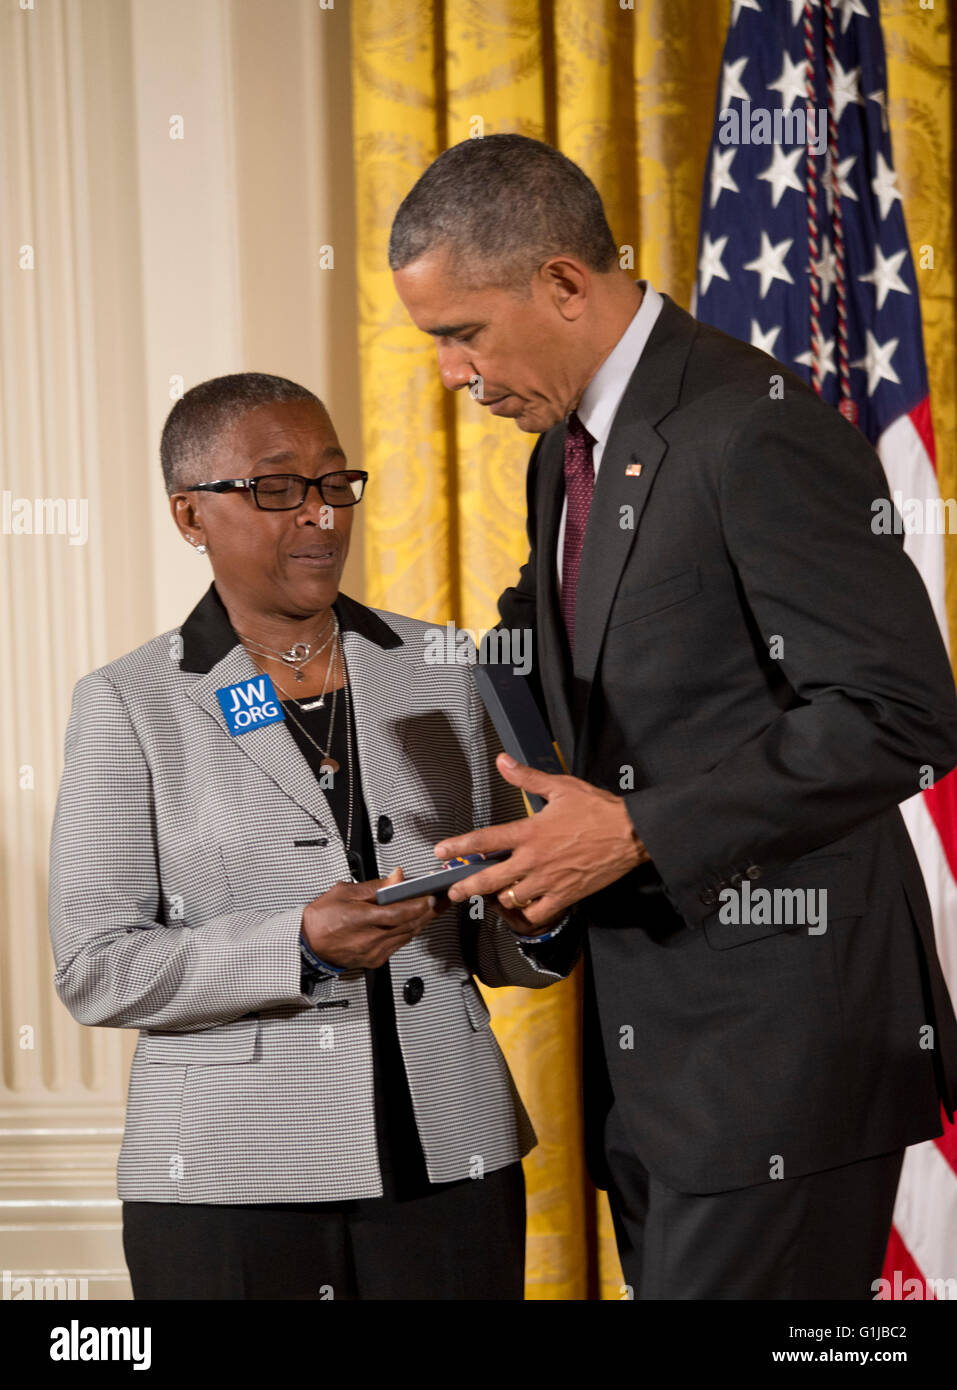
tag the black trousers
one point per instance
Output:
(461, 1240)
(821, 1236)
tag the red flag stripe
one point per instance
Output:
(941, 802)
(920, 419)
(898, 1258)
(947, 1143)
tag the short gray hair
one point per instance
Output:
(502, 205)
(198, 418)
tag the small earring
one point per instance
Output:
(200, 549)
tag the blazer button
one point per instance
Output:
(708, 896)
(413, 990)
(384, 830)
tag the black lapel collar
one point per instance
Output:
(373, 652)
(208, 635)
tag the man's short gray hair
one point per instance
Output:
(501, 206)
(199, 417)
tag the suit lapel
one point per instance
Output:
(373, 654)
(552, 643)
(635, 444)
(271, 747)
(634, 453)
(616, 508)
(374, 671)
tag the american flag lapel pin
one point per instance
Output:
(633, 470)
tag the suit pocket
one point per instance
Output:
(628, 608)
(790, 901)
(213, 1047)
(287, 864)
(475, 1006)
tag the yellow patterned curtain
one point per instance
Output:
(920, 80)
(627, 93)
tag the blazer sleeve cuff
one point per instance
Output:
(313, 967)
(554, 952)
(682, 888)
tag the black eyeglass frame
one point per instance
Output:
(250, 485)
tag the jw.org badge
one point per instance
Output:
(250, 704)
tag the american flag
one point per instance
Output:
(804, 253)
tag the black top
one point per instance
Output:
(400, 1152)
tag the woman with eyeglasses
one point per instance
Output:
(317, 1107)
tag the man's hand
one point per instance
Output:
(582, 840)
(519, 922)
(514, 918)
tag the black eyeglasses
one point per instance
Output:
(283, 492)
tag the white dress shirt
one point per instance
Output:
(602, 396)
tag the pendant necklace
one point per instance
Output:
(320, 701)
(300, 653)
(329, 763)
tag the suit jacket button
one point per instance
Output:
(708, 896)
(413, 990)
(753, 871)
(384, 830)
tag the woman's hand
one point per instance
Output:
(345, 926)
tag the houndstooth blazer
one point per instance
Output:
(181, 860)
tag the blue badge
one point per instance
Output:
(250, 704)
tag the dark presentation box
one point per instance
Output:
(521, 728)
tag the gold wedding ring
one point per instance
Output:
(515, 901)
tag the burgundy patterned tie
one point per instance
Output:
(579, 485)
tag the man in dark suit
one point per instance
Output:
(745, 681)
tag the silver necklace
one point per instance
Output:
(328, 761)
(300, 653)
(330, 765)
(320, 702)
